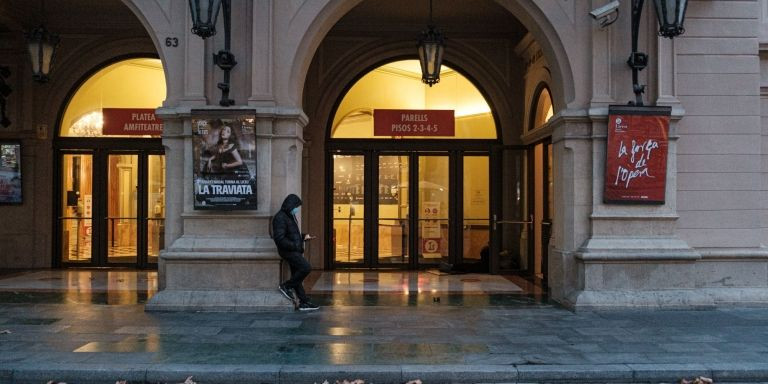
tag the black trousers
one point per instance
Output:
(300, 268)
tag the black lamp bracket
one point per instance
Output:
(637, 60)
(224, 59)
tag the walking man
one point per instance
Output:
(286, 232)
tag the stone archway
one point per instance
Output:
(487, 59)
(539, 19)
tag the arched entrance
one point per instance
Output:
(109, 193)
(502, 59)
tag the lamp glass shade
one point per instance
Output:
(671, 14)
(204, 14)
(42, 47)
(431, 49)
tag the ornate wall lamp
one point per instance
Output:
(671, 14)
(431, 47)
(42, 47)
(204, 15)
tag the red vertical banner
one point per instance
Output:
(636, 154)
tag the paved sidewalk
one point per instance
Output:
(81, 336)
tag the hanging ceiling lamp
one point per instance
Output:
(431, 46)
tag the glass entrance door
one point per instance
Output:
(434, 209)
(111, 208)
(394, 210)
(76, 208)
(511, 223)
(475, 222)
(348, 214)
(122, 208)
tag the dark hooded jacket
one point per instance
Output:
(285, 228)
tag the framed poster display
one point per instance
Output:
(636, 154)
(10, 172)
(224, 161)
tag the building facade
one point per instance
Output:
(520, 175)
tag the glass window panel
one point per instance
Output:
(393, 225)
(398, 85)
(133, 83)
(122, 208)
(476, 207)
(544, 110)
(155, 206)
(348, 211)
(76, 222)
(433, 206)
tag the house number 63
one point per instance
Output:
(171, 41)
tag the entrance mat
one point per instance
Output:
(412, 282)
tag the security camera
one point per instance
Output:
(606, 14)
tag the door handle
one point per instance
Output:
(495, 221)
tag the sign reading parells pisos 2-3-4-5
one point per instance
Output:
(224, 154)
(413, 122)
(636, 154)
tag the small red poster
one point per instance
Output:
(413, 122)
(636, 154)
(131, 122)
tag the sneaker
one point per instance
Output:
(307, 306)
(287, 292)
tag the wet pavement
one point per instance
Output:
(89, 326)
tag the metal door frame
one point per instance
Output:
(371, 149)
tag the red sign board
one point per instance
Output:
(636, 154)
(413, 122)
(131, 121)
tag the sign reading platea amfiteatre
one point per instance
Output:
(131, 122)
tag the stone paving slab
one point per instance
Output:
(378, 374)
(502, 341)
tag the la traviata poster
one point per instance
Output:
(224, 158)
(636, 154)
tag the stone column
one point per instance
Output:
(225, 260)
(632, 256)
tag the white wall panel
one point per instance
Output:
(732, 125)
(735, 219)
(723, 181)
(718, 200)
(718, 163)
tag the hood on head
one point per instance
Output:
(291, 201)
